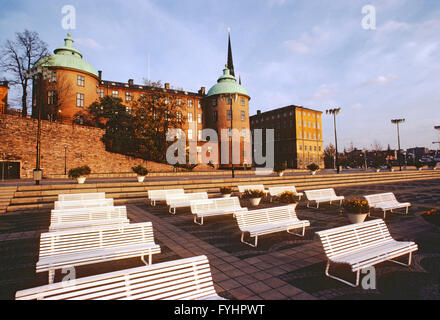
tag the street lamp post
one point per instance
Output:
(365, 159)
(65, 160)
(437, 142)
(39, 73)
(334, 112)
(397, 122)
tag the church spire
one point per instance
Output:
(230, 61)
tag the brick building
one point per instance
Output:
(70, 84)
(298, 134)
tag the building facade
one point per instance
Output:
(69, 85)
(297, 133)
(4, 89)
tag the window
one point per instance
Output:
(190, 117)
(101, 93)
(299, 123)
(215, 116)
(199, 135)
(242, 101)
(305, 123)
(199, 105)
(190, 134)
(115, 93)
(299, 135)
(53, 77)
(313, 125)
(199, 118)
(318, 126)
(128, 109)
(167, 101)
(80, 81)
(179, 102)
(243, 132)
(310, 124)
(128, 96)
(229, 114)
(80, 100)
(228, 101)
(214, 102)
(243, 116)
(51, 97)
(179, 116)
(190, 103)
(300, 147)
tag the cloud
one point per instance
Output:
(381, 80)
(89, 43)
(279, 3)
(309, 42)
(357, 106)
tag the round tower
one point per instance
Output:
(227, 107)
(69, 84)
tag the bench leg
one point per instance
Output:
(248, 243)
(153, 203)
(150, 259)
(299, 197)
(354, 285)
(297, 234)
(404, 264)
(199, 223)
(51, 275)
(172, 210)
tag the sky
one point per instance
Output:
(311, 53)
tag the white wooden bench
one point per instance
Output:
(160, 195)
(259, 187)
(362, 245)
(322, 196)
(93, 245)
(270, 220)
(67, 219)
(215, 207)
(184, 279)
(183, 200)
(81, 196)
(386, 202)
(276, 191)
(83, 204)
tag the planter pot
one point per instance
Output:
(377, 170)
(357, 217)
(228, 195)
(81, 180)
(420, 169)
(254, 201)
(280, 174)
(141, 178)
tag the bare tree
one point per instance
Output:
(19, 56)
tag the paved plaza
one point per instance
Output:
(283, 266)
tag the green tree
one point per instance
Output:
(329, 154)
(154, 114)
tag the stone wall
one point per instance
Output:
(84, 147)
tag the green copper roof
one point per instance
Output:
(227, 84)
(68, 57)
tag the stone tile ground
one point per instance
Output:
(282, 267)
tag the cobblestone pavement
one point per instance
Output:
(283, 266)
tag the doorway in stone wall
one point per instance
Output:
(9, 170)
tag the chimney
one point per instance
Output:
(100, 74)
(202, 90)
(130, 82)
(258, 112)
(167, 86)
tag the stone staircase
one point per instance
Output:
(42, 197)
(6, 195)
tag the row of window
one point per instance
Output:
(308, 135)
(228, 101)
(229, 115)
(309, 148)
(199, 135)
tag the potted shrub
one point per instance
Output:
(356, 210)
(376, 166)
(288, 197)
(432, 165)
(226, 192)
(141, 172)
(254, 197)
(390, 167)
(279, 169)
(419, 165)
(313, 167)
(79, 173)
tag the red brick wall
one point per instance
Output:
(18, 141)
